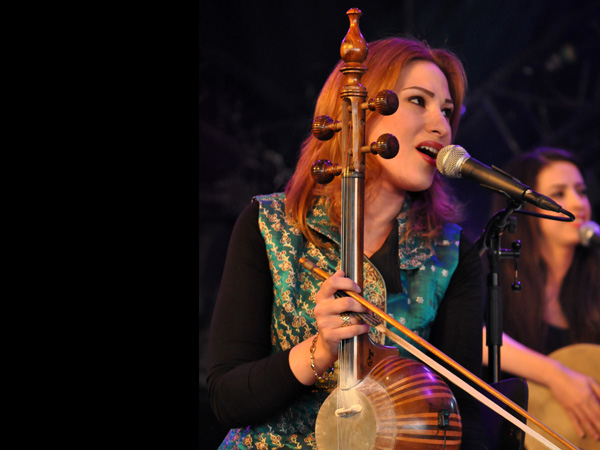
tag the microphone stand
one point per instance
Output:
(490, 242)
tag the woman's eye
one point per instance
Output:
(557, 194)
(417, 100)
(447, 112)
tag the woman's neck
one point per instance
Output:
(381, 212)
(558, 260)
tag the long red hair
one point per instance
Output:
(386, 59)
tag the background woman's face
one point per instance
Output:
(563, 182)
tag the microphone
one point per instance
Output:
(589, 233)
(453, 161)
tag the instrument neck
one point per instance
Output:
(351, 252)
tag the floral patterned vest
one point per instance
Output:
(425, 268)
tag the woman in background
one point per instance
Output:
(559, 301)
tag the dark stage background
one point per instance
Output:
(533, 70)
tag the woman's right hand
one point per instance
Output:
(579, 395)
(328, 314)
(332, 329)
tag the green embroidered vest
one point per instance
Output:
(425, 274)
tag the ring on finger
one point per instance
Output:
(345, 319)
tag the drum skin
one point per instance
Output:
(402, 402)
(584, 358)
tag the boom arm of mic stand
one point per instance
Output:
(490, 242)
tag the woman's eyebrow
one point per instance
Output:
(428, 92)
(561, 185)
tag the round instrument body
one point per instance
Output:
(401, 404)
(584, 358)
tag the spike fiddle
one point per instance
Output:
(369, 408)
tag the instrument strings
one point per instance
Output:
(345, 391)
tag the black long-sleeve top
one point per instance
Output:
(248, 384)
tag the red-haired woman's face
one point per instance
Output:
(563, 182)
(421, 125)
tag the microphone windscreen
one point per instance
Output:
(448, 160)
(587, 232)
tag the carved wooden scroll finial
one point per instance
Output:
(354, 48)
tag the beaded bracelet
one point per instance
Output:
(313, 346)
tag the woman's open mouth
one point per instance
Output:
(429, 151)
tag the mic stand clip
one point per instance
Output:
(490, 242)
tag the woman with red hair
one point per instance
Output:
(276, 329)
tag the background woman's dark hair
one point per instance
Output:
(580, 291)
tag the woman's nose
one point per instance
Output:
(576, 201)
(439, 124)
